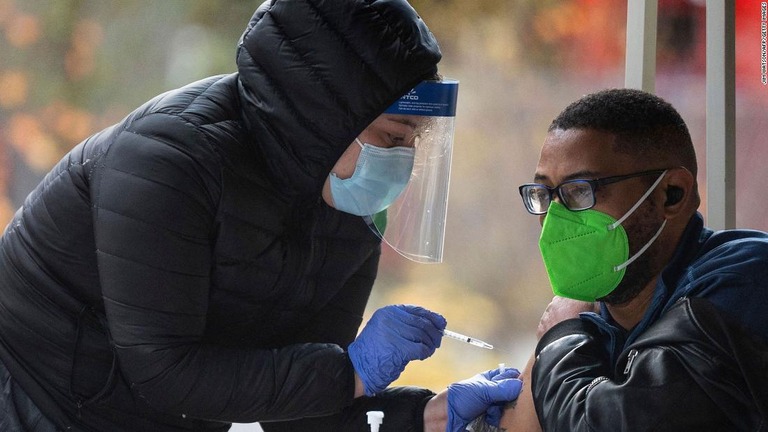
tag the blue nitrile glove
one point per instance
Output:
(487, 393)
(394, 336)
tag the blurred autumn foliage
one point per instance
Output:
(71, 67)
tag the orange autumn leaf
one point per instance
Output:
(7, 8)
(80, 59)
(6, 211)
(69, 123)
(14, 89)
(27, 135)
(23, 30)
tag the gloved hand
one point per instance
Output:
(487, 393)
(394, 336)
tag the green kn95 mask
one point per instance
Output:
(586, 252)
(580, 252)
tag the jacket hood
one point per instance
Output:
(314, 73)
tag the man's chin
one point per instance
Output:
(623, 294)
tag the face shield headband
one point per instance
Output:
(414, 224)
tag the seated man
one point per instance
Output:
(658, 322)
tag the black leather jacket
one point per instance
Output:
(690, 371)
(179, 270)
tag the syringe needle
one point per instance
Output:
(467, 339)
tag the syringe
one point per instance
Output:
(467, 339)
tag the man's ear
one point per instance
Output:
(678, 187)
(674, 195)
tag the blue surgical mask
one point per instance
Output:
(380, 176)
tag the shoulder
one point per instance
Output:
(174, 140)
(732, 273)
(733, 254)
(185, 123)
(735, 242)
(190, 108)
(714, 347)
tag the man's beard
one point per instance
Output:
(641, 271)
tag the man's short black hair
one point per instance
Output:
(645, 125)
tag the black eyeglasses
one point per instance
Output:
(575, 195)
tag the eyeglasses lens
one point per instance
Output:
(536, 198)
(577, 195)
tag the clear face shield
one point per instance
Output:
(414, 224)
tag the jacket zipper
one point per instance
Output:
(630, 358)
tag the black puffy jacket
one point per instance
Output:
(178, 270)
(690, 371)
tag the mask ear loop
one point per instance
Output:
(621, 267)
(357, 140)
(614, 225)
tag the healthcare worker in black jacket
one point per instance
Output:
(183, 269)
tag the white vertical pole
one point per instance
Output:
(640, 69)
(721, 114)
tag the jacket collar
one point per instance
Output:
(665, 294)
